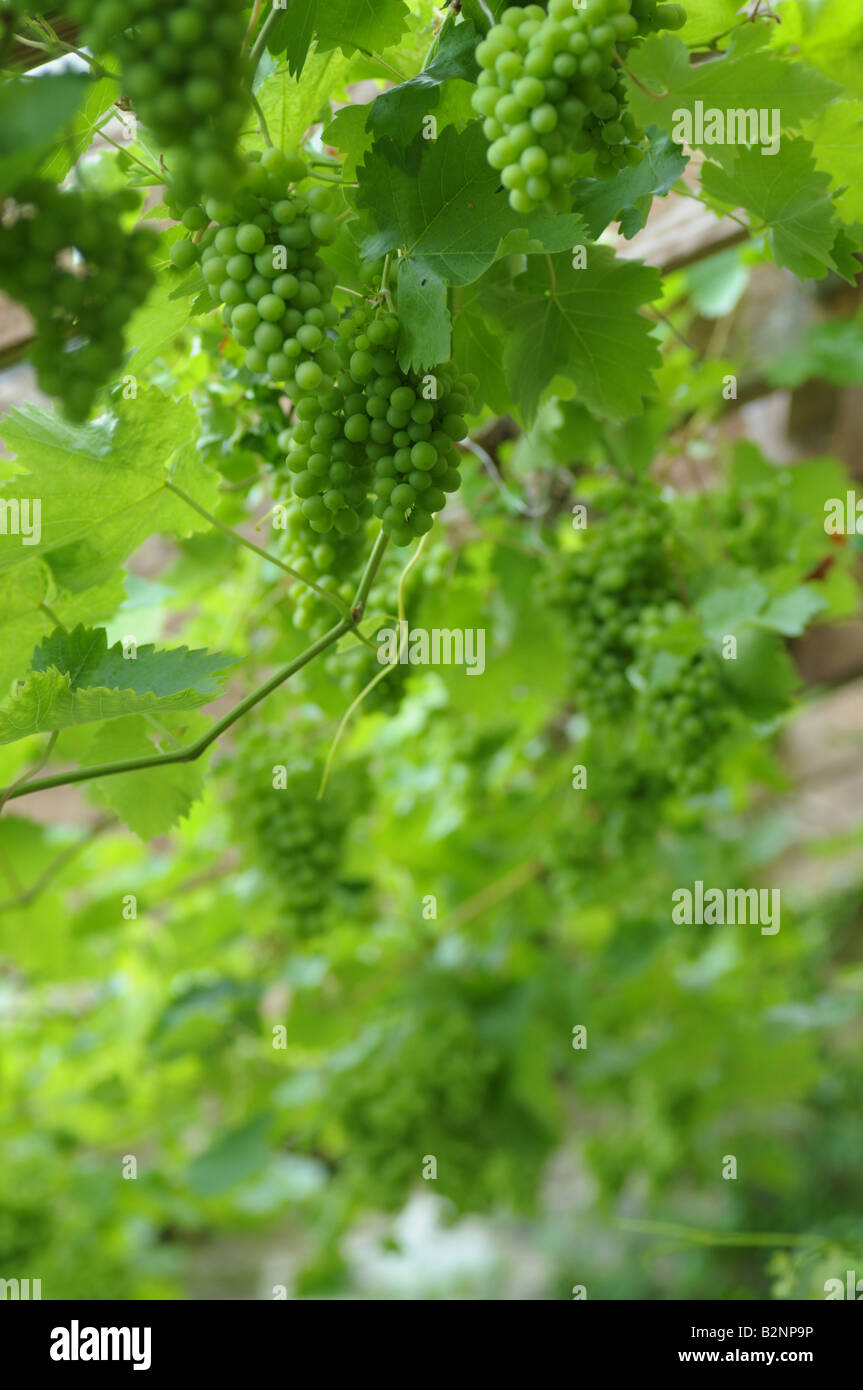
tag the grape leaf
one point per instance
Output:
(370, 25)
(477, 347)
(292, 35)
(150, 801)
(92, 519)
(790, 613)
(762, 677)
(425, 322)
(627, 197)
(583, 325)
(828, 34)
(398, 113)
(290, 104)
(347, 132)
(24, 619)
(707, 19)
(99, 98)
(790, 196)
(745, 72)
(439, 202)
(837, 137)
(77, 679)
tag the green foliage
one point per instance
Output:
(317, 940)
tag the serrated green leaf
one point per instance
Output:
(477, 346)
(748, 73)
(99, 98)
(370, 25)
(425, 323)
(94, 514)
(441, 204)
(627, 198)
(77, 679)
(837, 138)
(787, 194)
(581, 324)
(398, 113)
(25, 618)
(290, 104)
(150, 802)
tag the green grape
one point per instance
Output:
(435, 1078)
(276, 297)
(686, 716)
(604, 590)
(298, 837)
(184, 71)
(350, 418)
(80, 311)
(551, 91)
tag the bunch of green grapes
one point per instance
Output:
(606, 591)
(66, 256)
(184, 70)
(333, 561)
(259, 257)
(686, 716)
(551, 89)
(299, 838)
(376, 427)
(434, 1084)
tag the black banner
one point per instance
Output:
(85, 1340)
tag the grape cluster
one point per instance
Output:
(374, 428)
(333, 562)
(184, 71)
(433, 1083)
(298, 838)
(686, 717)
(259, 257)
(66, 256)
(551, 89)
(606, 591)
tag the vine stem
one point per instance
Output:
(337, 603)
(260, 42)
(376, 679)
(253, 20)
(732, 1238)
(262, 121)
(30, 773)
(494, 893)
(193, 751)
